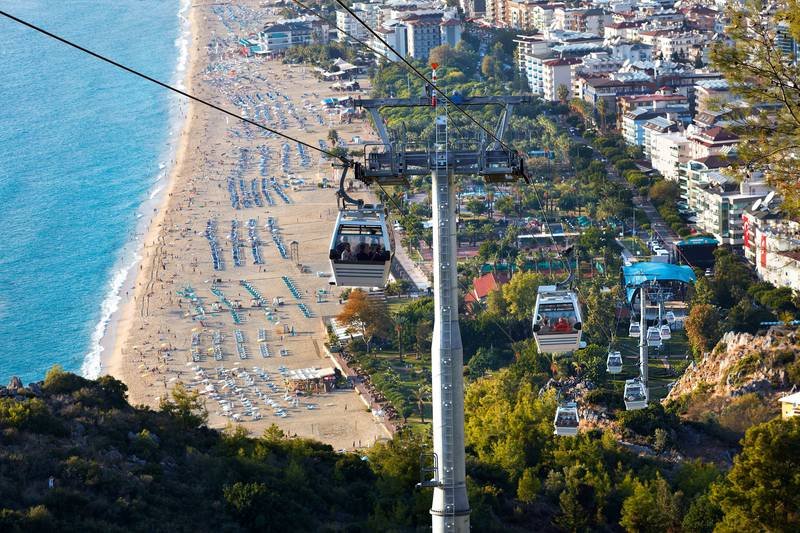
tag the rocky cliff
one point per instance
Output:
(742, 363)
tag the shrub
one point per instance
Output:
(57, 381)
(30, 414)
(745, 412)
(645, 421)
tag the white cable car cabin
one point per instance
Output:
(635, 395)
(634, 330)
(361, 248)
(614, 362)
(556, 320)
(567, 420)
(670, 317)
(665, 332)
(653, 337)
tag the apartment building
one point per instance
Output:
(532, 52)
(557, 73)
(394, 33)
(276, 38)
(771, 243)
(711, 95)
(675, 105)
(711, 141)
(668, 153)
(591, 20)
(719, 203)
(347, 25)
(678, 44)
(652, 128)
(473, 8)
(423, 34)
(607, 88)
(627, 30)
(542, 15)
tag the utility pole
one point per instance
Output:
(393, 165)
(450, 507)
(643, 339)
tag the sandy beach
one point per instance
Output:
(159, 328)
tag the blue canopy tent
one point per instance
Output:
(635, 275)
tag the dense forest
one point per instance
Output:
(75, 456)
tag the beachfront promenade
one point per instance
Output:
(232, 292)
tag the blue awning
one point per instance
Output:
(638, 273)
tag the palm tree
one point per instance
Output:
(602, 109)
(421, 395)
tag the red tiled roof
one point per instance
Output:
(718, 134)
(716, 161)
(634, 98)
(562, 61)
(482, 286)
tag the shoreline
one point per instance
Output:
(197, 315)
(118, 327)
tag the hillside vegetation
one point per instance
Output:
(75, 456)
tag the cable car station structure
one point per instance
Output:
(390, 163)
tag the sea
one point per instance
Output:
(85, 149)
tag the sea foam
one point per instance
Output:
(130, 255)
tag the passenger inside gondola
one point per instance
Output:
(352, 245)
(556, 318)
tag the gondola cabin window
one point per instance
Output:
(360, 243)
(557, 318)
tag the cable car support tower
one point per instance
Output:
(391, 162)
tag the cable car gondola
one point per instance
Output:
(556, 320)
(635, 394)
(670, 317)
(567, 420)
(361, 250)
(634, 330)
(614, 362)
(665, 332)
(653, 337)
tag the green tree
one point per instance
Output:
(664, 192)
(702, 516)
(592, 360)
(763, 74)
(562, 93)
(476, 206)
(421, 395)
(652, 508)
(762, 490)
(520, 294)
(189, 407)
(600, 317)
(528, 486)
(703, 328)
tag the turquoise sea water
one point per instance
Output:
(81, 147)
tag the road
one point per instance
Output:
(657, 223)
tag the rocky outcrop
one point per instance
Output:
(742, 363)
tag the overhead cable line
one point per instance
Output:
(329, 21)
(170, 87)
(421, 75)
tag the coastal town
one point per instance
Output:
(510, 265)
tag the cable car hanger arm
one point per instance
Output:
(341, 194)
